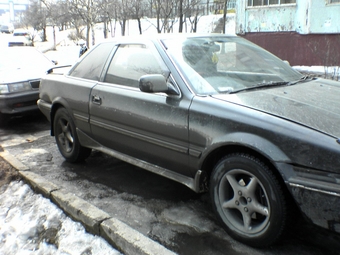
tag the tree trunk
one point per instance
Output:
(139, 26)
(158, 23)
(225, 10)
(93, 35)
(123, 25)
(105, 29)
(54, 39)
(207, 7)
(195, 23)
(44, 34)
(88, 29)
(180, 10)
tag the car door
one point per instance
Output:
(152, 127)
(80, 81)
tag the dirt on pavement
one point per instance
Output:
(7, 172)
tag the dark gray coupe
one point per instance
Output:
(215, 113)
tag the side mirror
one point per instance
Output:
(153, 83)
(286, 61)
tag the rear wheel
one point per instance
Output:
(67, 139)
(248, 200)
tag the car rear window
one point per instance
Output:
(91, 66)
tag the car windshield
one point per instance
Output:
(23, 58)
(227, 64)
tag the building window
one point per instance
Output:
(334, 1)
(272, 2)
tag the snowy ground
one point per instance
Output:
(330, 72)
(31, 224)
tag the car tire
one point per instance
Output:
(67, 139)
(249, 200)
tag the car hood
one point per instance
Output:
(18, 39)
(314, 104)
(11, 75)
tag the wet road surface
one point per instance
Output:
(161, 209)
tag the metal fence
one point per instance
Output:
(215, 7)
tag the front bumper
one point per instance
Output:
(322, 208)
(45, 108)
(19, 103)
(317, 193)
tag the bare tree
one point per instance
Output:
(104, 14)
(54, 16)
(165, 10)
(86, 10)
(138, 8)
(35, 16)
(123, 13)
(192, 13)
(84, 14)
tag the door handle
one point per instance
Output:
(96, 100)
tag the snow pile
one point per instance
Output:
(31, 224)
(330, 72)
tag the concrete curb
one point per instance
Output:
(96, 221)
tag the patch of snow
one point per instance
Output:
(332, 72)
(31, 224)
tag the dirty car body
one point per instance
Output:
(20, 71)
(215, 113)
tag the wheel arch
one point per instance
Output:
(262, 149)
(57, 104)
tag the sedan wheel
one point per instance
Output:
(248, 199)
(66, 138)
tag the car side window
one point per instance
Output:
(131, 61)
(93, 63)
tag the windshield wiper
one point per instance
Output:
(262, 85)
(302, 79)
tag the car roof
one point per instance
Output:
(141, 38)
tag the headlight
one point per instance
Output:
(3, 89)
(20, 86)
(15, 87)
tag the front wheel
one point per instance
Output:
(67, 139)
(248, 200)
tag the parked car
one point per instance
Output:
(7, 28)
(20, 71)
(21, 37)
(215, 113)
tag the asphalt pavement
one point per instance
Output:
(96, 221)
